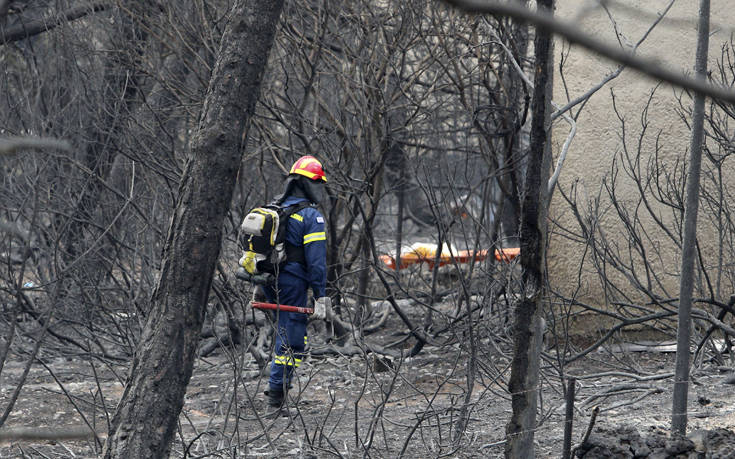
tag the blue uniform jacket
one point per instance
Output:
(306, 227)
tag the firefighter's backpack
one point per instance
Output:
(263, 238)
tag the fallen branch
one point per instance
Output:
(13, 145)
(614, 406)
(48, 434)
(725, 308)
(353, 349)
(617, 390)
(706, 316)
(621, 374)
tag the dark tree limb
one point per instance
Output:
(39, 26)
(4, 6)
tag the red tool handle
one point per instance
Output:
(282, 307)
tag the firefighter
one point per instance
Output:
(305, 267)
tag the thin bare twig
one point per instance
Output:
(572, 34)
(593, 418)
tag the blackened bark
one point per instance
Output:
(4, 6)
(118, 90)
(510, 182)
(147, 415)
(528, 326)
(689, 242)
(401, 179)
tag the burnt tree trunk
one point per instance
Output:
(118, 90)
(147, 415)
(689, 242)
(528, 325)
(511, 155)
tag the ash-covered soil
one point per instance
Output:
(359, 406)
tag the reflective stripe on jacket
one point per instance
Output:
(306, 228)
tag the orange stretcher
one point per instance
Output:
(426, 253)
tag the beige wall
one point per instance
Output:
(672, 43)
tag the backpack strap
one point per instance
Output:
(294, 253)
(290, 210)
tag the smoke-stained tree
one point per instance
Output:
(528, 322)
(147, 414)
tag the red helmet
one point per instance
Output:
(309, 167)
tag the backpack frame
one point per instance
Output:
(263, 237)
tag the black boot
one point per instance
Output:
(275, 398)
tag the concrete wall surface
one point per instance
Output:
(625, 167)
